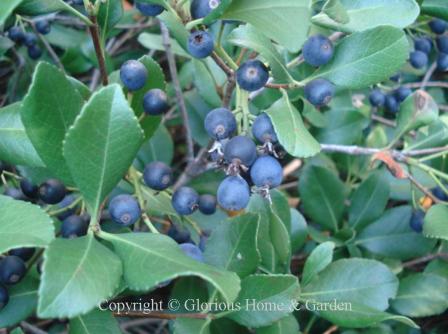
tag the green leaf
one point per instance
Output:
(437, 8)
(369, 201)
(159, 147)
(391, 236)
(109, 15)
(176, 28)
(142, 253)
(298, 231)
(217, 12)
(421, 295)
(323, 196)
(336, 11)
(247, 36)
(6, 9)
(154, 42)
(286, 325)
(102, 144)
(437, 267)
(362, 281)
(39, 7)
(342, 126)
(23, 225)
(365, 58)
(15, 146)
(285, 13)
(291, 132)
(435, 225)
(78, 274)
(356, 285)
(22, 302)
(96, 321)
(192, 326)
(354, 315)
(418, 110)
(233, 245)
(273, 238)
(318, 260)
(366, 14)
(47, 115)
(269, 291)
(205, 84)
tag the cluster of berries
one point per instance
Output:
(18, 35)
(423, 46)
(391, 101)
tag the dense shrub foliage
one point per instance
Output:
(223, 166)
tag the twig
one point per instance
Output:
(180, 98)
(423, 189)
(32, 329)
(425, 259)
(94, 32)
(428, 75)
(218, 60)
(331, 330)
(383, 120)
(161, 315)
(231, 84)
(193, 168)
(441, 84)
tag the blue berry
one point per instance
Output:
(220, 123)
(157, 175)
(15, 193)
(401, 93)
(4, 297)
(43, 27)
(417, 220)
(201, 8)
(192, 251)
(233, 193)
(442, 44)
(391, 104)
(438, 26)
(252, 75)
(180, 236)
(34, 52)
(377, 98)
(266, 172)
(124, 210)
(148, 9)
(12, 269)
(418, 59)
(66, 201)
(395, 77)
(29, 39)
(263, 130)
(155, 102)
(200, 44)
(319, 92)
(73, 227)
(133, 74)
(442, 62)
(240, 150)
(185, 201)
(423, 44)
(16, 34)
(52, 191)
(317, 50)
(440, 194)
(28, 188)
(25, 253)
(207, 204)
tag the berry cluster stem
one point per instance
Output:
(135, 179)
